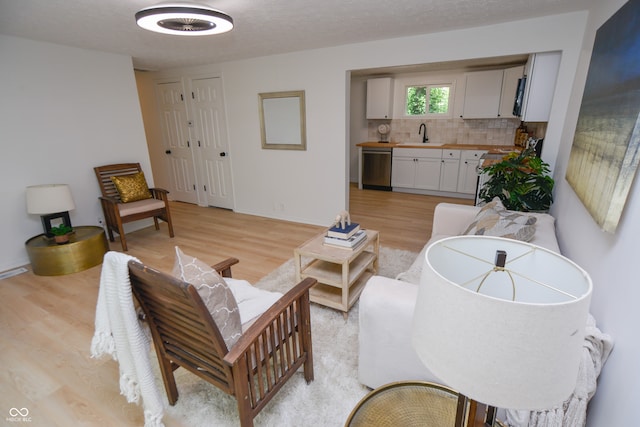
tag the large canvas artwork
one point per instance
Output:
(604, 154)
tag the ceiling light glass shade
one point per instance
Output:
(471, 333)
(49, 198)
(184, 19)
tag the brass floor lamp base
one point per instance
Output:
(477, 415)
(419, 404)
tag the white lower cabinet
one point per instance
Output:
(467, 174)
(403, 172)
(427, 176)
(449, 165)
(416, 168)
(450, 171)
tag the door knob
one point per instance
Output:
(167, 152)
(223, 154)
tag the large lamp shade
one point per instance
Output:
(502, 321)
(52, 202)
(49, 198)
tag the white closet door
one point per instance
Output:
(174, 122)
(211, 142)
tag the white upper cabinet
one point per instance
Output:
(509, 89)
(482, 94)
(380, 98)
(541, 72)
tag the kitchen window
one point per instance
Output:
(428, 100)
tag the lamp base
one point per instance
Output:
(490, 418)
(471, 413)
(46, 221)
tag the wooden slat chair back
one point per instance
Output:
(269, 352)
(117, 213)
(107, 187)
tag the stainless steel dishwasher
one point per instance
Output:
(376, 168)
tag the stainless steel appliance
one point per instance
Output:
(376, 168)
(517, 103)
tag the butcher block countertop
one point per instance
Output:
(492, 149)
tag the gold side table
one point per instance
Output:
(409, 404)
(85, 249)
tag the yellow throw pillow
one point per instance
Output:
(132, 187)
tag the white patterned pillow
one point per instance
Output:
(495, 220)
(214, 292)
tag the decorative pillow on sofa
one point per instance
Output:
(214, 292)
(132, 188)
(495, 220)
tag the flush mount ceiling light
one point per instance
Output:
(184, 19)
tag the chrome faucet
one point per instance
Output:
(424, 135)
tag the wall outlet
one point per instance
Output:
(278, 206)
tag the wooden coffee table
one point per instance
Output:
(341, 273)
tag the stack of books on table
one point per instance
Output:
(349, 237)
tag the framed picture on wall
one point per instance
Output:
(283, 120)
(604, 155)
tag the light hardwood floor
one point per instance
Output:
(47, 322)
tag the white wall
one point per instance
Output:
(358, 124)
(311, 184)
(610, 260)
(62, 111)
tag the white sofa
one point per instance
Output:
(386, 305)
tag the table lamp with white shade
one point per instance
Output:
(501, 321)
(52, 202)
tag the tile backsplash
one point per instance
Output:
(454, 131)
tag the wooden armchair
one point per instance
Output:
(269, 352)
(117, 213)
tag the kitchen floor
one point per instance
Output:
(404, 220)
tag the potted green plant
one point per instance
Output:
(61, 233)
(521, 181)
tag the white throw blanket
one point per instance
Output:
(119, 333)
(573, 412)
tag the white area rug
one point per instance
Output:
(327, 401)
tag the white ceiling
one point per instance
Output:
(262, 27)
